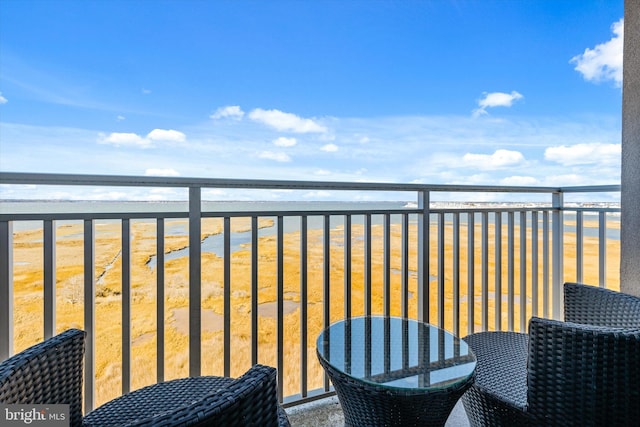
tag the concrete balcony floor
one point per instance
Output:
(327, 413)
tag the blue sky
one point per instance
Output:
(445, 92)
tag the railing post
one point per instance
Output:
(367, 265)
(126, 305)
(557, 255)
(195, 279)
(49, 279)
(6, 289)
(280, 306)
(423, 256)
(386, 269)
(602, 249)
(304, 300)
(227, 295)
(160, 295)
(89, 314)
(440, 244)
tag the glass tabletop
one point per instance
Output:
(396, 353)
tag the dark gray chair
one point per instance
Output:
(47, 373)
(51, 373)
(584, 371)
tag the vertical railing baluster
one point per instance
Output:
(386, 265)
(367, 265)
(280, 304)
(534, 264)
(49, 273)
(160, 295)
(6, 289)
(485, 271)
(304, 304)
(424, 244)
(405, 266)
(195, 281)
(387, 346)
(441, 268)
(545, 264)
(126, 305)
(523, 271)
(557, 256)
(347, 266)
(254, 290)
(602, 249)
(326, 267)
(498, 270)
(456, 274)
(326, 285)
(579, 247)
(510, 271)
(226, 239)
(89, 315)
(471, 298)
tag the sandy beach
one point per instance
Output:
(28, 299)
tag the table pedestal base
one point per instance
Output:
(364, 404)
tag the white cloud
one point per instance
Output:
(603, 62)
(584, 154)
(496, 99)
(499, 159)
(230, 111)
(124, 139)
(282, 121)
(3, 100)
(402, 149)
(285, 142)
(278, 157)
(129, 139)
(161, 172)
(146, 91)
(329, 148)
(120, 118)
(166, 135)
(499, 99)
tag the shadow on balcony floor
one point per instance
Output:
(327, 413)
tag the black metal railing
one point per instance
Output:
(281, 274)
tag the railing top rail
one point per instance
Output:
(18, 178)
(70, 216)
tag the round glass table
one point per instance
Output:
(395, 371)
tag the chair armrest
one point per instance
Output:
(591, 305)
(47, 373)
(583, 375)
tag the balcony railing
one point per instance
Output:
(280, 273)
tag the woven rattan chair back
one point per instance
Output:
(584, 371)
(47, 373)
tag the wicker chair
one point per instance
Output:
(581, 372)
(51, 373)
